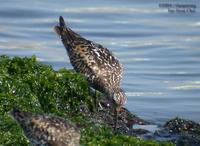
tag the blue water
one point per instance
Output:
(160, 51)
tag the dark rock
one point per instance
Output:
(188, 140)
(180, 131)
(105, 114)
(179, 125)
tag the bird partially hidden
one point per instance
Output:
(47, 130)
(101, 68)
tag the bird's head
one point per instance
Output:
(119, 97)
(20, 116)
(17, 114)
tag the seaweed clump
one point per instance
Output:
(35, 87)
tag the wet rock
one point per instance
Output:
(179, 125)
(164, 135)
(130, 119)
(187, 140)
(105, 114)
(180, 131)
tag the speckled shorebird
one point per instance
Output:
(97, 63)
(47, 130)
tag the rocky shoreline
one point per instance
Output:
(35, 87)
(179, 131)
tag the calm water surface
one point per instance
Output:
(160, 51)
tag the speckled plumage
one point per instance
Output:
(47, 130)
(97, 63)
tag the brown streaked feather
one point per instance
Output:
(47, 130)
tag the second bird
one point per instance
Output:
(97, 63)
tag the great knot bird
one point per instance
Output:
(47, 130)
(97, 63)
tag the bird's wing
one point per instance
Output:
(100, 63)
(107, 62)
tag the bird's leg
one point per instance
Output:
(116, 117)
(95, 99)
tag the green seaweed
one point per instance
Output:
(32, 86)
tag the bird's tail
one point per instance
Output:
(66, 34)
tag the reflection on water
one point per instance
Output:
(160, 51)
